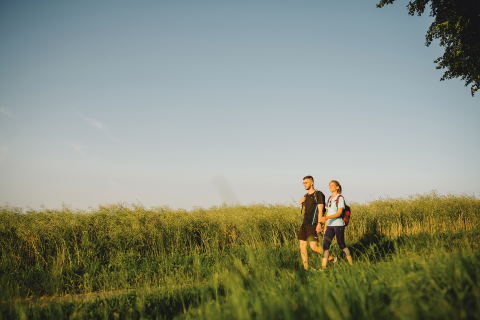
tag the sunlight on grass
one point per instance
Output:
(415, 257)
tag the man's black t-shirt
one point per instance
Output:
(310, 205)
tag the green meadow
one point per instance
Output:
(414, 258)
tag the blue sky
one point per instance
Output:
(192, 103)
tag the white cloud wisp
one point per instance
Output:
(100, 126)
(3, 152)
(81, 150)
(6, 112)
(78, 148)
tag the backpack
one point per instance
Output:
(346, 211)
(316, 207)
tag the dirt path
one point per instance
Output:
(72, 297)
(91, 295)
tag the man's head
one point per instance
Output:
(308, 182)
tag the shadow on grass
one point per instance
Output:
(374, 247)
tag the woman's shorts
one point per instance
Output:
(308, 232)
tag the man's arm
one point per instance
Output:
(302, 201)
(320, 213)
(320, 209)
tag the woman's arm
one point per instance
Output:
(336, 215)
(333, 216)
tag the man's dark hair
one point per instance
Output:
(309, 177)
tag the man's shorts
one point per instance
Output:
(308, 232)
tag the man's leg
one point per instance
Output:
(312, 239)
(303, 251)
(315, 247)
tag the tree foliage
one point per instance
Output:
(457, 26)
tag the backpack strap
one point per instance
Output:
(328, 201)
(306, 194)
(304, 202)
(336, 200)
(301, 209)
(345, 203)
(315, 213)
(316, 202)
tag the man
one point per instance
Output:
(313, 204)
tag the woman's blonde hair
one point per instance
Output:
(338, 184)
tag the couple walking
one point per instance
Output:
(313, 203)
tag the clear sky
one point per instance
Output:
(192, 103)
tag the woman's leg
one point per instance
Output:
(340, 234)
(327, 240)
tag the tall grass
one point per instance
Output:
(53, 252)
(416, 277)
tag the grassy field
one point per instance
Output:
(414, 257)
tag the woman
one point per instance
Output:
(334, 226)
